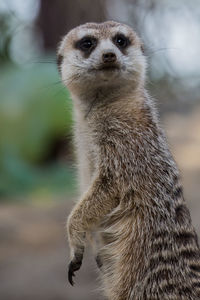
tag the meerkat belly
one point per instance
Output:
(86, 158)
(117, 231)
(85, 168)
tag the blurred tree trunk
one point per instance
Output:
(56, 18)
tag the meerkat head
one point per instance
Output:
(103, 55)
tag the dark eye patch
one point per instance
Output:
(87, 44)
(121, 41)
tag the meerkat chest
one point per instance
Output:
(87, 154)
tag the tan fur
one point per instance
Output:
(130, 185)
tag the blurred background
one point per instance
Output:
(37, 173)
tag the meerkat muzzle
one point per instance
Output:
(109, 57)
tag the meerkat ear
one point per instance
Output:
(59, 61)
(60, 51)
(142, 47)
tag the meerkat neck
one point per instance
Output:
(84, 103)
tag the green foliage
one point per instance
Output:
(34, 111)
(5, 37)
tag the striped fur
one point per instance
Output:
(131, 191)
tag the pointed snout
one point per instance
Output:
(109, 57)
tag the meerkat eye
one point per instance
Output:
(86, 44)
(121, 41)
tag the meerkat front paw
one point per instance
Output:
(77, 243)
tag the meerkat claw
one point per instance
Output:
(70, 276)
(73, 266)
(99, 261)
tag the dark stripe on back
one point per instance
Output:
(193, 275)
(178, 192)
(190, 254)
(160, 234)
(181, 214)
(161, 275)
(185, 238)
(196, 285)
(158, 247)
(168, 205)
(185, 291)
(195, 268)
(169, 288)
(160, 260)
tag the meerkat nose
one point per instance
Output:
(109, 57)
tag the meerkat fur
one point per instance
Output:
(131, 194)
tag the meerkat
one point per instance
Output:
(130, 185)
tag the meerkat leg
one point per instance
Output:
(93, 239)
(96, 203)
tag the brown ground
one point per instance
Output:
(34, 255)
(33, 248)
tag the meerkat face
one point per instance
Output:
(101, 55)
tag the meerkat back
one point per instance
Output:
(131, 193)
